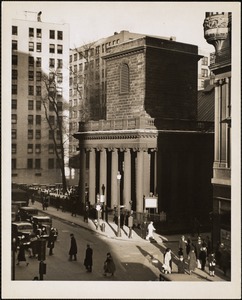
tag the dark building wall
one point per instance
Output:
(184, 174)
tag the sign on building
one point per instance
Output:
(151, 202)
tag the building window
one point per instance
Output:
(31, 32)
(38, 119)
(30, 119)
(51, 163)
(14, 74)
(14, 89)
(59, 49)
(59, 77)
(51, 106)
(52, 120)
(97, 49)
(38, 134)
(59, 63)
(59, 35)
(31, 90)
(30, 134)
(38, 47)
(14, 134)
(75, 57)
(58, 136)
(38, 33)
(51, 134)
(31, 46)
(14, 45)
(31, 75)
(38, 76)
(30, 105)
(37, 163)
(51, 148)
(14, 30)
(31, 61)
(14, 119)
(14, 163)
(52, 48)
(38, 90)
(14, 148)
(59, 91)
(70, 58)
(80, 67)
(14, 60)
(38, 105)
(14, 103)
(38, 61)
(205, 61)
(30, 163)
(124, 78)
(202, 84)
(30, 148)
(204, 72)
(52, 34)
(52, 63)
(38, 148)
(59, 106)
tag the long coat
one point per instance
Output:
(192, 261)
(73, 249)
(109, 266)
(88, 258)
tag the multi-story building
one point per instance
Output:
(203, 68)
(217, 31)
(39, 50)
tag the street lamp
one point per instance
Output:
(118, 180)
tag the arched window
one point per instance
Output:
(124, 78)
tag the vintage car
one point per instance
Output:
(22, 231)
(26, 213)
(42, 225)
(20, 195)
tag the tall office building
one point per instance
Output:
(39, 50)
(203, 68)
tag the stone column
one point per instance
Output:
(139, 181)
(127, 178)
(103, 170)
(155, 171)
(146, 172)
(114, 171)
(82, 174)
(92, 176)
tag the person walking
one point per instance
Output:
(224, 259)
(88, 258)
(51, 241)
(109, 265)
(182, 247)
(211, 263)
(203, 256)
(181, 265)
(192, 261)
(167, 261)
(73, 248)
(130, 223)
(198, 246)
(21, 252)
(151, 229)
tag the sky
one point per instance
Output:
(90, 21)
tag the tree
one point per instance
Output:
(54, 109)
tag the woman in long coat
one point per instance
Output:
(88, 259)
(192, 261)
(21, 254)
(167, 261)
(182, 247)
(73, 248)
(109, 265)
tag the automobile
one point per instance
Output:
(22, 231)
(19, 195)
(26, 213)
(42, 225)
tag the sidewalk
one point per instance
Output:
(110, 231)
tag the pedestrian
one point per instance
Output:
(86, 214)
(21, 252)
(192, 261)
(74, 205)
(167, 261)
(203, 256)
(109, 265)
(130, 224)
(224, 259)
(181, 265)
(122, 220)
(73, 248)
(209, 244)
(198, 246)
(51, 241)
(151, 229)
(34, 244)
(88, 258)
(182, 247)
(188, 246)
(211, 263)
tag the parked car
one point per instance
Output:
(26, 213)
(42, 225)
(20, 195)
(22, 231)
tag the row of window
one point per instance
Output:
(52, 62)
(38, 76)
(52, 47)
(52, 33)
(30, 90)
(37, 134)
(205, 61)
(36, 163)
(91, 51)
(204, 72)
(30, 148)
(30, 104)
(31, 119)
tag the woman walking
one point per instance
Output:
(167, 261)
(21, 253)
(88, 259)
(109, 265)
(192, 261)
